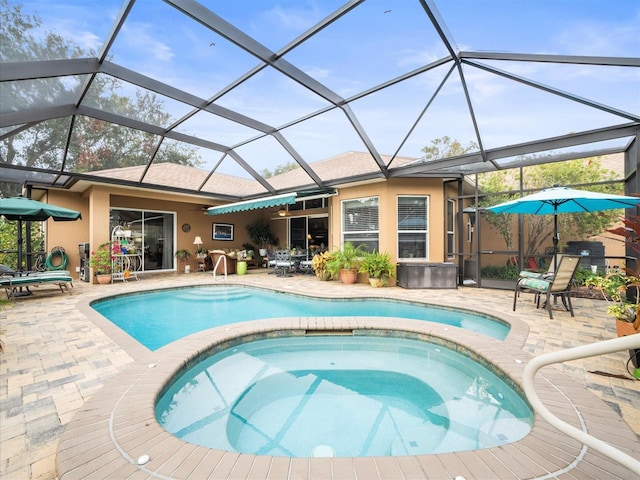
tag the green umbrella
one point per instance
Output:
(27, 210)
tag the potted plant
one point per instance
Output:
(319, 264)
(344, 262)
(260, 234)
(182, 256)
(101, 261)
(378, 266)
(615, 288)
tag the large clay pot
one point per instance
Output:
(348, 276)
(376, 282)
(103, 279)
(625, 328)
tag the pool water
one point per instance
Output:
(342, 396)
(160, 317)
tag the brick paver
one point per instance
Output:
(56, 358)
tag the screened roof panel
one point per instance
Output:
(333, 89)
(132, 102)
(272, 98)
(159, 41)
(374, 42)
(39, 93)
(608, 85)
(511, 112)
(214, 128)
(273, 24)
(545, 26)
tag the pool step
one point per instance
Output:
(213, 293)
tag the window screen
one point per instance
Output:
(413, 228)
(360, 222)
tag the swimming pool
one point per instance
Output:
(345, 396)
(160, 317)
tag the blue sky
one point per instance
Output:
(379, 40)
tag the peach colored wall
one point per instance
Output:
(95, 202)
(387, 192)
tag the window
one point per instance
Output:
(451, 228)
(413, 228)
(360, 224)
(152, 234)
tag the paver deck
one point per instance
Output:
(59, 353)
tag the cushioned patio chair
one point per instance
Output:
(559, 285)
(13, 282)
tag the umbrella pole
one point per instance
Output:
(19, 245)
(555, 239)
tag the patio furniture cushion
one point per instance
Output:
(557, 286)
(11, 283)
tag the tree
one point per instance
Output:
(445, 147)
(539, 228)
(94, 144)
(266, 173)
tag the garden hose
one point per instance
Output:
(57, 252)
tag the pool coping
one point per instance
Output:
(117, 426)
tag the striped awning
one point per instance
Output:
(274, 201)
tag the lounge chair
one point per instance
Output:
(557, 286)
(12, 282)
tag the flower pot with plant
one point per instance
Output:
(319, 264)
(260, 234)
(623, 290)
(182, 256)
(378, 266)
(345, 261)
(101, 261)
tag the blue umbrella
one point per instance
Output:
(564, 200)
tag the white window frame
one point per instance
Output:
(451, 228)
(343, 221)
(424, 231)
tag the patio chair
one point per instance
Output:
(283, 263)
(13, 282)
(558, 286)
(546, 275)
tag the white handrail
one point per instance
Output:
(215, 268)
(584, 351)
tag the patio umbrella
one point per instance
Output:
(26, 210)
(564, 200)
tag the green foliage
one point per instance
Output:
(100, 259)
(266, 173)
(348, 257)
(445, 147)
(9, 242)
(500, 272)
(377, 265)
(615, 288)
(97, 144)
(319, 263)
(499, 187)
(583, 275)
(182, 254)
(260, 233)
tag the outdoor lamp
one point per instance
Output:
(282, 212)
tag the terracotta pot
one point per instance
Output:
(625, 328)
(348, 276)
(103, 279)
